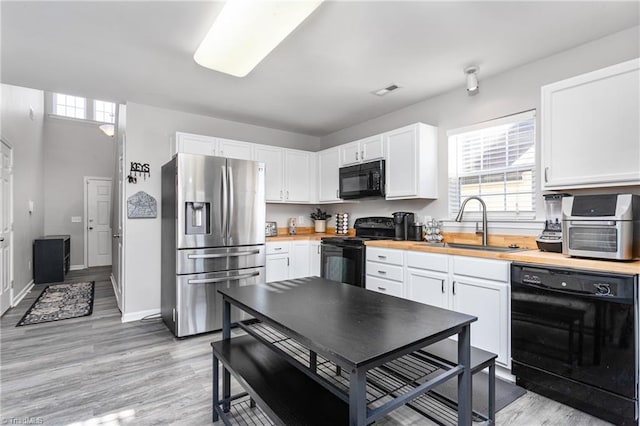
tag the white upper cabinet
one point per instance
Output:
(590, 129)
(235, 149)
(328, 176)
(299, 171)
(289, 174)
(411, 166)
(273, 158)
(208, 145)
(364, 150)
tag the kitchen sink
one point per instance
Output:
(471, 247)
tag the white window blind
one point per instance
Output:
(495, 160)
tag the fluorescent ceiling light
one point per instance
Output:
(108, 129)
(246, 31)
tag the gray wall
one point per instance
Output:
(25, 137)
(507, 93)
(149, 131)
(73, 150)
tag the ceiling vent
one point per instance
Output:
(386, 90)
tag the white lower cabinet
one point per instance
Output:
(385, 271)
(315, 258)
(287, 260)
(474, 286)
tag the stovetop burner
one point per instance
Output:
(367, 229)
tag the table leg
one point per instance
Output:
(464, 379)
(226, 335)
(216, 385)
(358, 397)
(492, 394)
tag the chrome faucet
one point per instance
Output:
(484, 217)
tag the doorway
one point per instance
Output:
(6, 227)
(97, 221)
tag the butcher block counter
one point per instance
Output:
(526, 256)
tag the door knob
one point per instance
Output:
(1, 239)
(90, 228)
(116, 235)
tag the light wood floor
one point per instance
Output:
(96, 370)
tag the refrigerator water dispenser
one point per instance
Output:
(197, 218)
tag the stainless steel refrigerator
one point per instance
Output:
(213, 221)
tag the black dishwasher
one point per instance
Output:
(573, 338)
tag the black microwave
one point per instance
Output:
(362, 180)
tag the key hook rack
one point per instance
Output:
(138, 169)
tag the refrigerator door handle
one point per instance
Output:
(223, 279)
(223, 205)
(231, 203)
(217, 255)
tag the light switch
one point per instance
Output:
(76, 219)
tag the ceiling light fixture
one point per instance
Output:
(473, 87)
(246, 31)
(386, 90)
(108, 129)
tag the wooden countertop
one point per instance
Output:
(527, 256)
(314, 236)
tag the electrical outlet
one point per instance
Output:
(301, 221)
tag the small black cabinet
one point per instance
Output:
(51, 258)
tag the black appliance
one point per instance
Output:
(573, 338)
(403, 221)
(343, 258)
(362, 180)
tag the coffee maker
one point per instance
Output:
(402, 222)
(551, 237)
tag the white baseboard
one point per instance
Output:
(77, 267)
(22, 294)
(137, 316)
(115, 291)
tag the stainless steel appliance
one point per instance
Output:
(403, 221)
(343, 258)
(362, 180)
(551, 237)
(574, 338)
(271, 229)
(213, 226)
(601, 226)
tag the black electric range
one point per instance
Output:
(344, 259)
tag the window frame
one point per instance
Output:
(453, 174)
(89, 109)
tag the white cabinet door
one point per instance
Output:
(411, 162)
(299, 259)
(489, 301)
(372, 148)
(277, 268)
(328, 175)
(235, 149)
(590, 129)
(314, 258)
(349, 154)
(427, 287)
(380, 285)
(298, 168)
(195, 144)
(273, 158)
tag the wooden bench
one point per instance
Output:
(283, 392)
(446, 351)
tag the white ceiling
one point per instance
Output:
(319, 80)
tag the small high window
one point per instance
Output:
(104, 111)
(495, 160)
(69, 106)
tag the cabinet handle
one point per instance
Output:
(337, 193)
(362, 154)
(381, 256)
(382, 272)
(442, 281)
(546, 174)
(277, 248)
(318, 249)
(382, 289)
(453, 287)
(287, 261)
(357, 155)
(287, 195)
(281, 194)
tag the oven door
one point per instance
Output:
(586, 338)
(343, 263)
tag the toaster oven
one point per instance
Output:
(601, 226)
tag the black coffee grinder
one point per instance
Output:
(402, 222)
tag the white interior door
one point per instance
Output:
(118, 210)
(6, 227)
(98, 222)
